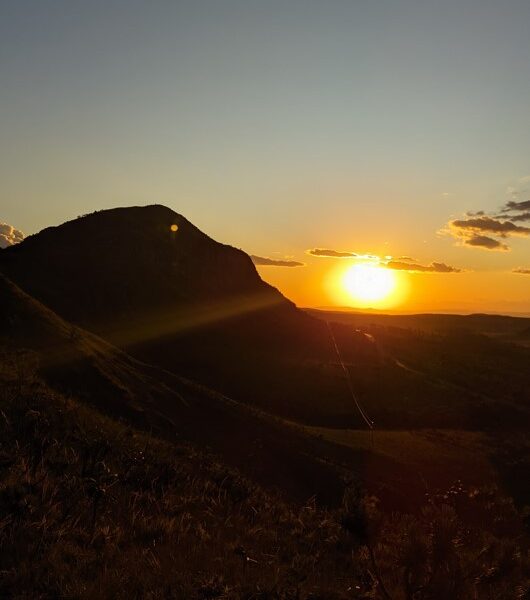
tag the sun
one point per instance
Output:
(367, 283)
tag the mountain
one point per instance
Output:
(110, 266)
(149, 282)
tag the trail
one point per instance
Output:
(347, 376)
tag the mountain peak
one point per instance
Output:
(122, 263)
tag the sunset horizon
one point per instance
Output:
(389, 131)
(265, 299)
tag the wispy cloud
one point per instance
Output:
(522, 270)
(434, 267)
(404, 258)
(400, 263)
(513, 206)
(9, 235)
(327, 253)
(264, 261)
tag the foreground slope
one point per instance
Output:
(75, 361)
(91, 508)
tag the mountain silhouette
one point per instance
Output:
(151, 283)
(116, 264)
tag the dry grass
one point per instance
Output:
(90, 508)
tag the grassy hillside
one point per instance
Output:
(92, 508)
(74, 361)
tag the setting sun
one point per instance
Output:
(369, 283)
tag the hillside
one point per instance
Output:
(198, 309)
(91, 507)
(77, 362)
(120, 478)
(182, 301)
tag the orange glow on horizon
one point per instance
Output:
(369, 283)
(366, 285)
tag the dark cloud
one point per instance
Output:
(480, 230)
(472, 231)
(324, 252)
(489, 225)
(517, 206)
(434, 267)
(9, 235)
(273, 262)
(483, 241)
(522, 271)
(516, 211)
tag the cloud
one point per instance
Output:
(434, 267)
(483, 241)
(9, 235)
(521, 270)
(513, 206)
(401, 263)
(472, 231)
(404, 258)
(324, 252)
(485, 224)
(480, 229)
(263, 261)
(525, 216)
(327, 253)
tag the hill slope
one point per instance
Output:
(78, 362)
(182, 301)
(90, 508)
(114, 265)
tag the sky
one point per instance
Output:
(386, 128)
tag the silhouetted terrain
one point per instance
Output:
(173, 427)
(75, 361)
(91, 508)
(198, 308)
(182, 301)
(500, 326)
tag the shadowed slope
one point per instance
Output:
(74, 360)
(180, 300)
